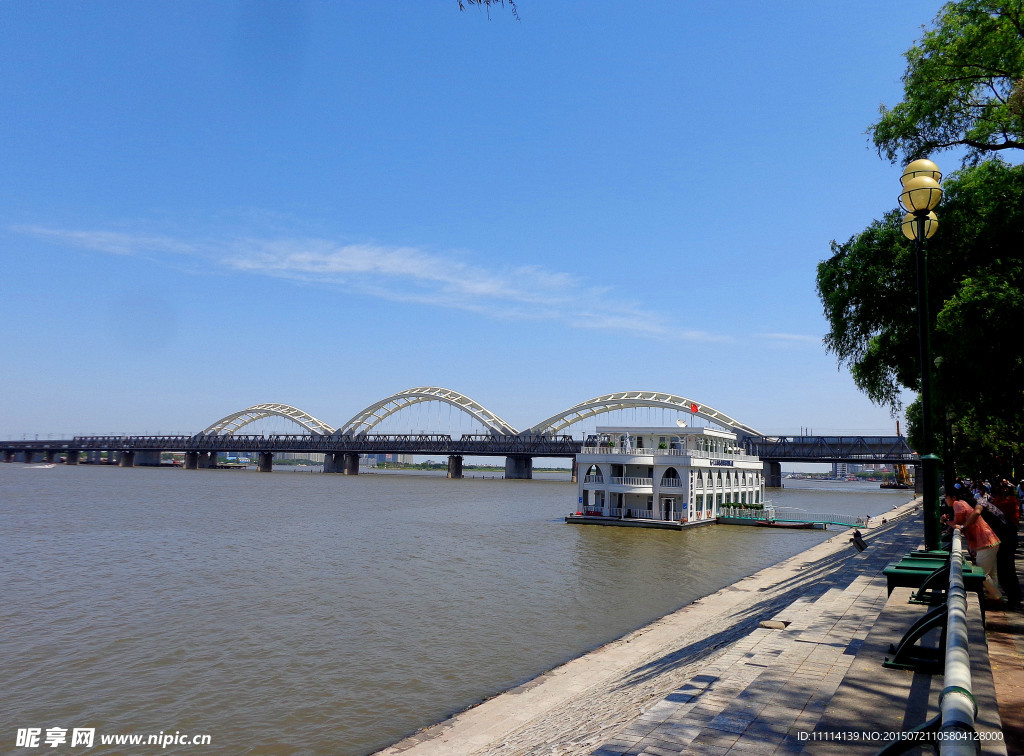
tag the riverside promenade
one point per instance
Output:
(785, 661)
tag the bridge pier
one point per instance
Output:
(71, 457)
(266, 462)
(773, 474)
(455, 466)
(331, 463)
(518, 468)
(350, 465)
(8, 455)
(207, 460)
(127, 459)
(147, 458)
(191, 460)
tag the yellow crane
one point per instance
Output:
(901, 473)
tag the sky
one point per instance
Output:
(207, 206)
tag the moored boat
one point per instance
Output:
(680, 475)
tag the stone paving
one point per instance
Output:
(1006, 651)
(742, 671)
(775, 684)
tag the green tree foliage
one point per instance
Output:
(964, 85)
(488, 3)
(976, 279)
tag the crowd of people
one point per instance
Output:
(988, 514)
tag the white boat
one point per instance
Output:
(671, 475)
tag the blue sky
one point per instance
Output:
(211, 205)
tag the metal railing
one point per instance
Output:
(791, 514)
(642, 452)
(740, 512)
(957, 700)
(638, 514)
(628, 481)
(953, 728)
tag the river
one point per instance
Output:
(296, 612)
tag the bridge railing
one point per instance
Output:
(483, 445)
(891, 449)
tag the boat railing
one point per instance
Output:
(632, 513)
(632, 481)
(746, 513)
(629, 481)
(643, 452)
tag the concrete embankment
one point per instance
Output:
(753, 667)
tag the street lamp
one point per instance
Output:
(921, 194)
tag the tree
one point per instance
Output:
(489, 3)
(964, 86)
(976, 282)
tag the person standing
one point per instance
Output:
(1005, 500)
(981, 540)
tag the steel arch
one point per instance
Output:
(228, 425)
(377, 411)
(631, 399)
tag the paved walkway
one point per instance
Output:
(751, 669)
(1005, 633)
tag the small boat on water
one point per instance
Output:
(48, 466)
(791, 525)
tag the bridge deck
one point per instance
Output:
(878, 449)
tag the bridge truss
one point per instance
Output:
(635, 399)
(230, 424)
(375, 413)
(545, 439)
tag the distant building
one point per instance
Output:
(374, 460)
(317, 459)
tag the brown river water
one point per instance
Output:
(297, 612)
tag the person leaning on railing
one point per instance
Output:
(981, 540)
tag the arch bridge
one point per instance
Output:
(343, 445)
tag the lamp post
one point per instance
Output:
(921, 194)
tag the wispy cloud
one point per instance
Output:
(795, 338)
(113, 242)
(405, 274)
